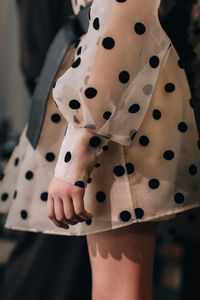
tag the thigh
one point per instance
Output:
(122, 262)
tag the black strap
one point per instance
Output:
(76, 26)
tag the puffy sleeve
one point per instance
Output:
(106, 92)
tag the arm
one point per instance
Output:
(101, 104)
(106, 106)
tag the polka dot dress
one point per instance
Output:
(119, 123)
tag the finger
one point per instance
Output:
(69, 210)
(50, 207)
(51, 213)
(59, 212)
(75, 217)
(79, 209)
(60, 224)
(85, 215)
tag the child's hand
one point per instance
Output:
(65, 203)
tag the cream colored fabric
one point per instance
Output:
(151, 174)
(105, 67)
(113, 77)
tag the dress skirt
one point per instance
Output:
(153, 179)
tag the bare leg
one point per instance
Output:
(122, 262)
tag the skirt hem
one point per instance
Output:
(152, 219)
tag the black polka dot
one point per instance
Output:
(119, 170)
(179, 198)
(121, 1)
(129, 168)
(139, 213)
(4, 196)
(76, 63)
(154, 183)
(147, 89)
(88, 221)
(24, 214)
(96, 23)
(95, 141)
(192, 170)
(182, 127)
(79, 50)
(156, 114)
(50, 156)
(89, 180)
(100, 196)
(2, 176)
(168, 155)
(132, 133)
(134, 108)
(107, 115)
(74, 104)
(15, 194)
(124, 76)
(169, 87)
(144, 140)
(108, 43)
(124, 216)
(154, 61)
(139, 28)
(44, 196)
(16, 161)
(29, 175)
(90, 92)
(55, 118)
(105, 148)
(80, 184)
(67, 156)
(97, 165)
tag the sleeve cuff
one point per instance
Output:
(79, 151)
